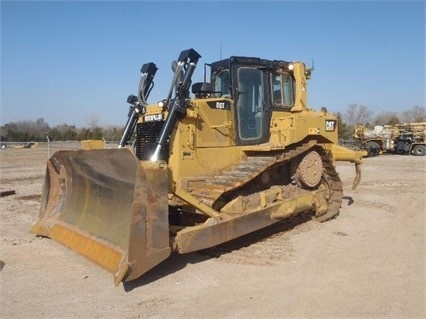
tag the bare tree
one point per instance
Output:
(357, 114)
(95, 131)
(386, 118)
(93, 120)
(415, 114)
(112, 133)
(342, 128)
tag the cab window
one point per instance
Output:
(282, 90)
(222, 83)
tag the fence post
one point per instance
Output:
(48, 147)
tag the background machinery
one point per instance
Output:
(242, 153)
(403, 138)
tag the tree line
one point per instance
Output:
(39, 130)
(356, 114)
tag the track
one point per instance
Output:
(262, 170)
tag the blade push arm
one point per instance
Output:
(187, 62)
(138, 103)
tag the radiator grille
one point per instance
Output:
(146, 140)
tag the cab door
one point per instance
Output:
(250, 110)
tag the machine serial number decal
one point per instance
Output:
(219, 105)
(330, 125)
(153, 117)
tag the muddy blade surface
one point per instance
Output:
(109, 207)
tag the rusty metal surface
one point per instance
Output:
(98, 203)
(149, 232)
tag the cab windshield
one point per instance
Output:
(250, 103)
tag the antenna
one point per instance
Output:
(220, 51)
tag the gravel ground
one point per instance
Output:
(369, 262)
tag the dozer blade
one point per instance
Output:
(107, 206)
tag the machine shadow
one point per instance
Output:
(177, 261)
(171, 265)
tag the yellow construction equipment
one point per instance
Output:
(402, 138)
(241, 153)
(19, 145)
(92, 144)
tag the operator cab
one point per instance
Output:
(257, 87)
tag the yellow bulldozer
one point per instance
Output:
(240, 153)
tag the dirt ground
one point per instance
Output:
(369, 262)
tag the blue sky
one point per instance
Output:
(68, 62)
